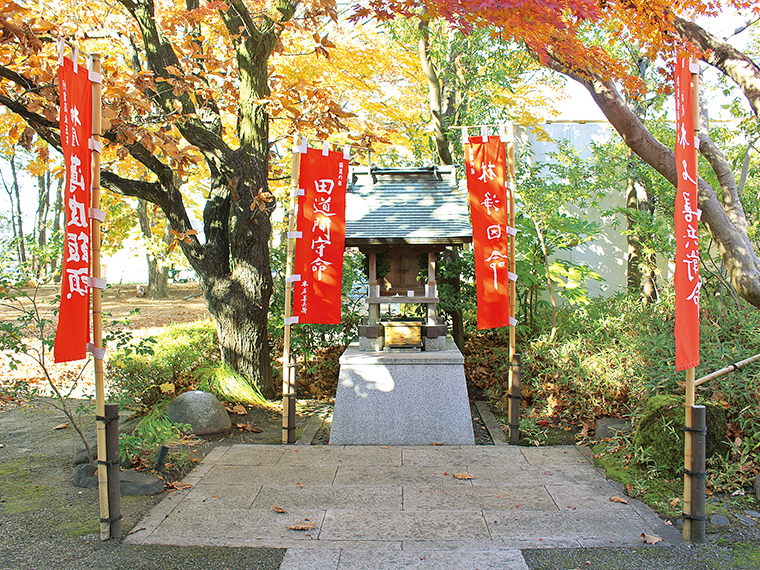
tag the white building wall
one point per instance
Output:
(607, 254)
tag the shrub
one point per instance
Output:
(135, 379)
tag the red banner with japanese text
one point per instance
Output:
(73, 332)
(486, 176)
(321, 223)
(687, 215)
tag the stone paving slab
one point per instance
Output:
(566, 524)
(344, 524)
(375, 497)
(253, 474)
(464, 455)
(351, 455)
(222, 496)
(477, 498)
(241, 454)
(505, 559)
(402, 475)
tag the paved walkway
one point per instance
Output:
(399, 507)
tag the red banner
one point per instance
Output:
(687, 216)
(486, 175)
(321, 223)
(73, 331)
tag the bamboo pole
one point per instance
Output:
(688, 457)
(730, 368)
(288, 366)
(699, 440)
(691, 372)
(513, 388)
(97, 318)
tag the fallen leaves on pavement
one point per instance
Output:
(650, 538)
(618, 500)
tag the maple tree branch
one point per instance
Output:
(18, 79)
(726, 58)
(45, 128)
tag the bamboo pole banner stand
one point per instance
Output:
(288, 364)
(515, 365)
(686, 277)
(108, 516)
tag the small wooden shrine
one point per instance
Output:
(403, 217)
(415, 394)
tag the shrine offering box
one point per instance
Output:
(403, 334)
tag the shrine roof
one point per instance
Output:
(416, 206)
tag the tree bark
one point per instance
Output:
(43, 207)
(158, 269)
(435, 94)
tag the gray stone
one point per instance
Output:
(719, 520)
(86, 475)
(433, 344)
(136, 483)
(745, 520)
(81, 456)
(402, 398)
(201, 410)
(609, 427)
(757, 487)
(132, 482)
(753, 514)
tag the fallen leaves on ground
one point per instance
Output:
(237, 409)
(463, 476)
(179, 485)
(650, 538)
(618, 500)
(248, 427)
(62, 426)
(278, 509)
(674, 502)
(306, 525)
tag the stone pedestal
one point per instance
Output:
(402, 397)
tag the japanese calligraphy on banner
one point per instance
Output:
(321, 224)
(687, 215)
(486, 175)
(73, 332)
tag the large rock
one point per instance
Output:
(661, 432)
(86, 475)
(135, 483)
(201, 410)
(131, 482)
(81, 455)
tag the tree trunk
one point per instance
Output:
(239, 306)
(43, 207)
(457, 319)
(158, 272)
(57, 213)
